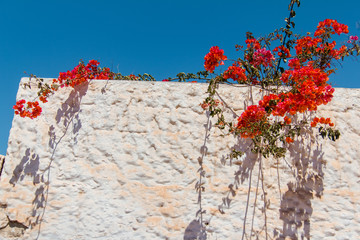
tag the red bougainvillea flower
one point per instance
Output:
(289, 140)
(82, 73)
(287, 120)
(332, 27)
(33, 110)
(235, 72)
(133, 77)
(310, 91)
(306, 45)
(329, 50)
(214, 58)
(252, 43)
(294, 63)
(282, 51)
(322, 120)
(250, 121)
(263, 57)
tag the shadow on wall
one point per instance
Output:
(245, 165)
(68, 114)
(28, 166)
(196, 230)
(295, 208)
(295, 204)
(2, 162)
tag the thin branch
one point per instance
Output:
(247, 206)
(278, 175)
(286, 35)
(256, 194)
(264, 194)
(227, 105)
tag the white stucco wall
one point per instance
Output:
(120, 160)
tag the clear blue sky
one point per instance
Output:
(158, 37)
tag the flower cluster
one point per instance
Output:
(33, 110)
(80, 74)
(306, 45)
(250, 121)
(206, 104)
(133, 77)
(305, 80)
(321, 120)
(252, 43)
(282, 51)
(309, 47)
(353, 39)
(310, 91)
(329, 26)
(235, 72)
(214, 58)
(262, 57)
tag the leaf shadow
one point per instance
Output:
(68, 114)
(295, 206)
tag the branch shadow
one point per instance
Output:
(295, 207)
(68, 114)
(245, 165)
(29, 166)
(196, 230)
(2, 162)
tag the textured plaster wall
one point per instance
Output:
(120, 160)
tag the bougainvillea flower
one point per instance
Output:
(250, 121)
(330, 26)
(33, 110)
(253, 43)
(214, 58)
(282, 51)
(263, 57)
(235, 72)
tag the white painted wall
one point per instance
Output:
(122, 163)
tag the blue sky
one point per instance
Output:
(158, 37)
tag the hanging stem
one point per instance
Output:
(256, 194)
(247, 206)
(264, 194)
(278, 175)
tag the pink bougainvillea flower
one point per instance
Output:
(263, 57)
(353, 39)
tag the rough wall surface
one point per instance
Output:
(120, 160)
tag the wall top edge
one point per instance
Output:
(26, 79)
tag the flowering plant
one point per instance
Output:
(302, 87)
(290, 97)
(80, 74)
